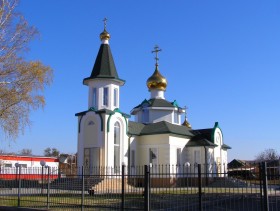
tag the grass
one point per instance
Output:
(207, 190)
(66, 200)
(63, 200)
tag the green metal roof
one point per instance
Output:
(201, 142)
(162, 127)
(104, 66)
(202, 134)
(135, 128)
(157, 103)
(102, 111)
(224, 146)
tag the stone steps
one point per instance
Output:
(112, 185)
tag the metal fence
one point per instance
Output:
(164, 187)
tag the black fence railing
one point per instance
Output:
(162, 187)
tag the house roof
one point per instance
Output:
(202, 134)
(202, 137)
(200, 142)
(157, 103)
(104, 66)
(162, 127)
(236, 163)
(102, 111)
(225, 146)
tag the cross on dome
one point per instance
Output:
(105, 36)
(105, 22)
(186, 123)
(185, 111)
(156, 82)
(157, 49)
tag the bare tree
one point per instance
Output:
(22, 82)
(51, 152)
(26, 152)
(268, 155)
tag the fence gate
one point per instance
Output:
(162, 187)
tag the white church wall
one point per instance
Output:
(117, 117)
(211, 161)
(80, 146)
(160, 115)
(133, 151)
(90, 138)
(99, 84)
(92, 131)
(176, 117)
(225, 161)
(177, 144)
(218, 155)
(158, 142)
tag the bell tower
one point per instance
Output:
(104, 82)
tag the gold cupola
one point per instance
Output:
(104, 35)
(186, 123)
(157, 81)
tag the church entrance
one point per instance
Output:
(91, 160)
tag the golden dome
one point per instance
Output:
(104, 35)
(157, 81)
(186, 123)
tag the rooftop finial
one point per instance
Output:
(186, 123)
(185, 111)
(157, 81)
(157, 49)
(105, 23)
(105, 36)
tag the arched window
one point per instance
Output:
(116, 97)
(117, 146)
(94, 97)
(90, 122)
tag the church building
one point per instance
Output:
(108, 138)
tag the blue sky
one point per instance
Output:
(221, 59)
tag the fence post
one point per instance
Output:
(19, 184)
(199, 187)
(264, 177)
(48, 189)
(147, 188)
(123, 169)
(83, 187)
(261, 188)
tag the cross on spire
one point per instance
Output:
(185, 111)
(157, 49)
(105, 23)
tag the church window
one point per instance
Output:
(178, 156)
(176, 117)
(94, 97)
(153, 156)
(91, 159)
(153, 159)
(116, 146)
(115, 97)
(145, 116)
(197, 156)
(86, 157)
(132, 158)
(90, 123)
(105, 96)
